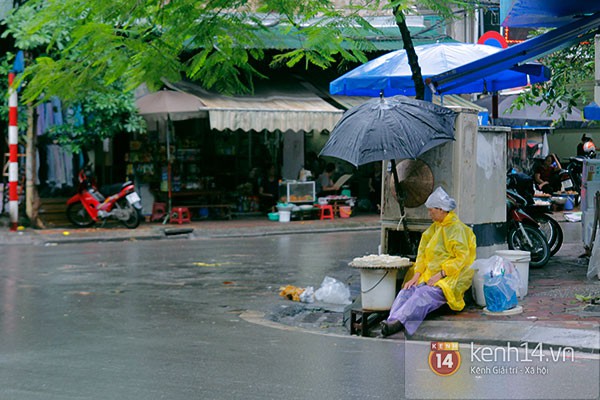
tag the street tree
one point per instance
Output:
(148, 41)
(95, 43)
(571, 69)
(99, 115)
(444, 8)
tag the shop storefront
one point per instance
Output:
(218, 158)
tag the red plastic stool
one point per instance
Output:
(326, 211)
(159, 210)
(180, 215)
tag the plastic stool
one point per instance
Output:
(326, 211)
(159, 210)
(180, 215)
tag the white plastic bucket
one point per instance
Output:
(377, 288)
(284, 216)
(521, 260)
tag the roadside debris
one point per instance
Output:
(291, 292)
(331, 291)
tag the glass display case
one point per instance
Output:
(297, 192)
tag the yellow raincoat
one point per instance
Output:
(448, 245)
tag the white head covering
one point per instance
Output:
(440, 199)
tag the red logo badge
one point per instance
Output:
(444, 358)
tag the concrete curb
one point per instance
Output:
(44, 237)
(221, 234)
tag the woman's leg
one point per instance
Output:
(399, 301)
(393, 324)
(415, 307)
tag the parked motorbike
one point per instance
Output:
(90, 206)
(523, 232)
(522, 187)
(575, 170)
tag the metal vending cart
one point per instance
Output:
(472, 169)
(590, 184)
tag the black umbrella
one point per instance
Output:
(391, 128)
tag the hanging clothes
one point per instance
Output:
(56, 110)
(40, 124)
(58, 161)
(60, 167)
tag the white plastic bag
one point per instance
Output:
(497, 266)
(308, 296)
(333, 291)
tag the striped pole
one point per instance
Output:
(13, 166)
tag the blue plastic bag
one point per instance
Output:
(499, 292)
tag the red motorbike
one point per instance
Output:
(89, 206)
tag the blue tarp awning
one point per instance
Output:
(513, 56)
(591, 112)
(544, 13)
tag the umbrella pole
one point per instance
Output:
(400, 196)
(169, 202)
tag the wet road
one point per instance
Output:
(162, 320)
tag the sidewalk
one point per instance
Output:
(235, 227)
(551, 315)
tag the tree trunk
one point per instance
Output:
(32, 199)
(413, 60)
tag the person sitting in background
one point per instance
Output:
(581, 145)
(313, 164)
(269, 189)
(589, 149)
(254, 179)
(546, 175)
(325, 185)
(441, 273)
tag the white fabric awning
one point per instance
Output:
(449, 100)
(274, 107)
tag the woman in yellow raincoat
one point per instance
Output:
(441, 273)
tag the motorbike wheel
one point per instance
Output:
(134, 216)
(539, 249)
(553, 232)
(78, 215)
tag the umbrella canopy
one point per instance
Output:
(164, 107)
(391, 72)
(170, 104)
(390, 128)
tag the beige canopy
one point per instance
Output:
(177, 106)
(273, 106)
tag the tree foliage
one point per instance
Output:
(90, 44)
(571, 68)
(105, 110)
(101, 115)
(5, 66)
